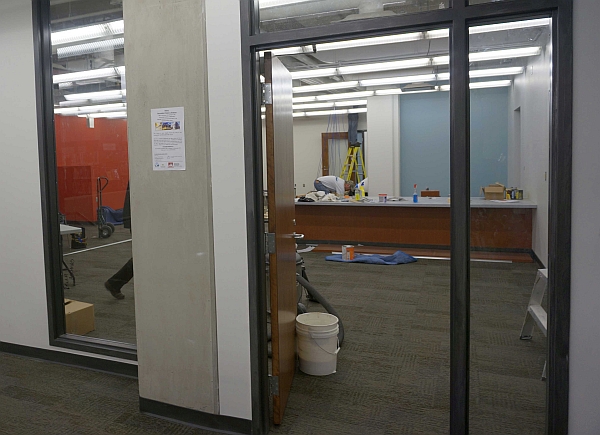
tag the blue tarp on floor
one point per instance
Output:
(397, 257)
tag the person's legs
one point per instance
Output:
(119, 279)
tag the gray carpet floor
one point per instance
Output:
(114, 319)
(41, 398)
(392, 373)
(393, 370)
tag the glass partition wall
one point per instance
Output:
(396, 318)
(90, 120)
(498, 84)
(510, 152)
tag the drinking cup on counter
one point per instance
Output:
(383, 197)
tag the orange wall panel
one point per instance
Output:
(82, 155)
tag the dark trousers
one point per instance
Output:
(123, 276)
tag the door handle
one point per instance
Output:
(297, 236)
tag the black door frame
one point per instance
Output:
(458, 18)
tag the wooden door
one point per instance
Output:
(282, 263)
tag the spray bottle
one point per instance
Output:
(415, 195)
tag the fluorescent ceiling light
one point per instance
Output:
(88, 32)
(94, 95)
(312, 106)
(441, 60)
(329, 104)
(540, 22)
(115, 107)
(264, 4)
(492, 84)
(493, 72)
(73, 103)
(496, 72)
(366, 42)
(439, 33)
(91, 47)
(398, 91)
(345, 96)
(445, 33)
(504, 54)
(385, 66)
(493, 55)
(482, 85)
(332, 112)
(304, 99)
(322, 72)
(88, 75)
(398, 80)
(325, 87)
(350, 103)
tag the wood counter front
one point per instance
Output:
(504, 226)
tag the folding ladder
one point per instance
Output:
(536, 315)
(354, 165)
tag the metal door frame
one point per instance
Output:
(458, 18)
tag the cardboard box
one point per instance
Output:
(494, 191)
(79, 317)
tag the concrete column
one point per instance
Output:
(165, 48)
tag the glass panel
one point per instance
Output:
(510, 127)
(277, 15)
(381, 98)
(92, 167)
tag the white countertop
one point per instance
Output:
(440, 202)
(68, 229)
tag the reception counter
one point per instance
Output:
(495, 225)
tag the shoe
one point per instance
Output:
(115, 292)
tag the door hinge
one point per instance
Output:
(274, 385)
(270, 243)
(267, 93)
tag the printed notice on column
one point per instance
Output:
(168, 139)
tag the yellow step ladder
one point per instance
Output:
(354, 165)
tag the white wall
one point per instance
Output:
(23, 303)
(383, 147)
(229, 208)
(531, 93)
(584, 375)
(308, 148)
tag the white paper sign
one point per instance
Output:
(168, 139)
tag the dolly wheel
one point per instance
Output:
(111, 226)
(104, 232)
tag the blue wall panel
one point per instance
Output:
(425, 140)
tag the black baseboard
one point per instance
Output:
(204, 420)
(70, 359)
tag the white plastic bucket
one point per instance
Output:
(317, 343)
